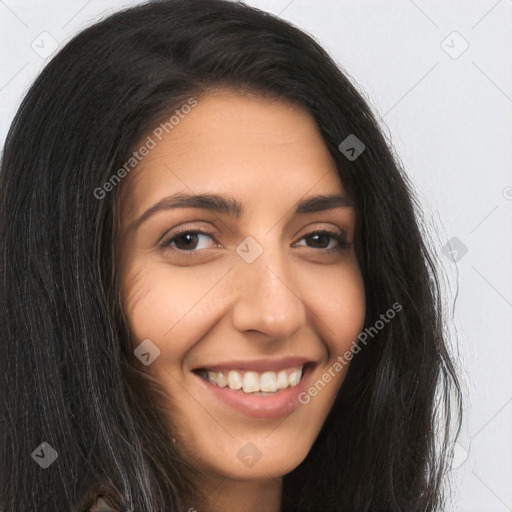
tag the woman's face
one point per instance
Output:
(243, 284)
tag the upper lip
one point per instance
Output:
(258, 365)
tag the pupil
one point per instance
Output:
(187, 236)
(316, 237)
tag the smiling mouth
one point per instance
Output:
(266, 383)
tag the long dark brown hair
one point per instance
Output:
(68, 377)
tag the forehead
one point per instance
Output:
(250, 146)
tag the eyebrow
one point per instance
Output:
(220, 203)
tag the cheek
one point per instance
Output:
(168, 307)
(338, 304)
(340, 316)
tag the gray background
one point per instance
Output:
(447, 109)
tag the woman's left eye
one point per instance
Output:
(189, 241)
(321, 236)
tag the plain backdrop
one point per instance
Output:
(438, 76)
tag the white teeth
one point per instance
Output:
(282, 380)
(251, 382)
(222, 381)
(234, 380)
(254, 382)
(220, 378)
(268, 382)
(294, 377)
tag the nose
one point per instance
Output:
(268, 299)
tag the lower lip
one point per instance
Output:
(265, 407)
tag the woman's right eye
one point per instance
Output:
(186, 241)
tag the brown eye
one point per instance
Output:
(322, 239)
(186, 241)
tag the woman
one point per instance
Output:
(293, 360)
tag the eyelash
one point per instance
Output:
(343, 245)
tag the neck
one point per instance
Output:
(219, 495)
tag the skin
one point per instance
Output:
(294, 299)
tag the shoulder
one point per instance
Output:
(103, 504)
